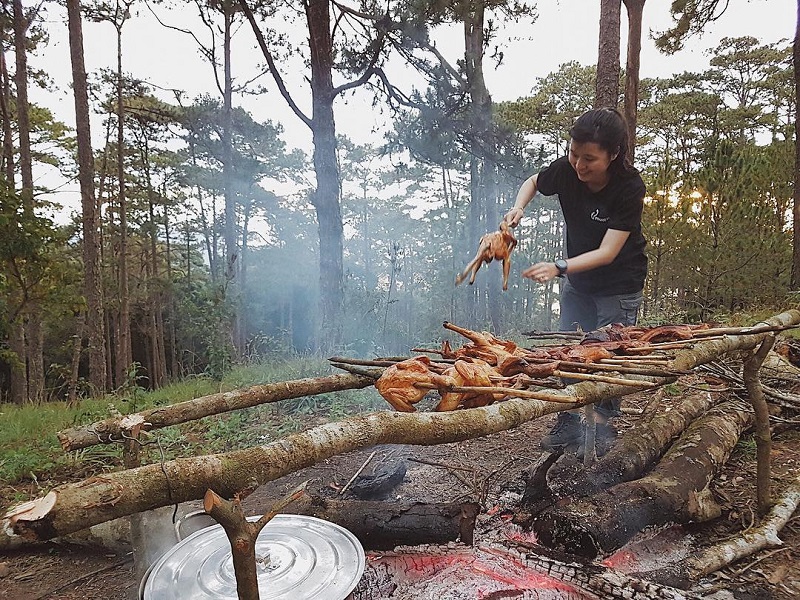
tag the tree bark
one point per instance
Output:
(675, 491)
(74, 371)
(103, 432)
(18, 387)
(326, 197)
(33, 355)
(709, 350)
(795, 275)
(607, 85)
(89, 215)
(124, 357)
(635, 10)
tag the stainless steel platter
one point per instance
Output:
(297, 557)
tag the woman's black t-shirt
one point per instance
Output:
(589, 215)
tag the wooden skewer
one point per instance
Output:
(741, 330)
(604, 379)
(546, 396)
(623, 359)
(574, 335)
(349, 364)
(622, 368)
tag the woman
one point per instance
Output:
(601, 196)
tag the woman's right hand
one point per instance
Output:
(513, 217)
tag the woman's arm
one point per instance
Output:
(609, 248)
(525, 194)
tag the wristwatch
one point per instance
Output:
(561, 265)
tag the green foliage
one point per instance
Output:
(30, 451)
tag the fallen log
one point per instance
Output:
(110, 430)
(675, 491)
(384, 525)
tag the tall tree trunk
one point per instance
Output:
(124, 351)
(485, 189)
(635, 10)
(231, 250)
(90, 218)
(18, 385)
(18, 388)
(75, 363)
(326, 197)
(158, 368)
(795, 282)
(607, 86)
(33, 327)
(172, 364)
(8, 136)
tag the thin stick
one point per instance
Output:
(500, 390)
(741, 330)
(622, 368)
(604, 379)
(623, 360)
(427, 350)
(535, 335)
(442, 465)
(353, 478)
(357, 361)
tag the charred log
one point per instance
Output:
(632, 454)
(675, 491)
(385, 525)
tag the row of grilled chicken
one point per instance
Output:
(488, 361)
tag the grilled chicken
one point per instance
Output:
(397, 383)
(476, 373)
(493, 246)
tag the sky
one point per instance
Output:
(566, 30)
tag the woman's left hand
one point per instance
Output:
(541, 272)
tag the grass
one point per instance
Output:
(31, 456)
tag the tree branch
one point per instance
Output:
(273, 69)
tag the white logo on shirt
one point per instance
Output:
(595, 216)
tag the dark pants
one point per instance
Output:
(591, 312)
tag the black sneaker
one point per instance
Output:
(567, 430)
(605, 434)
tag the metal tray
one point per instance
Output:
(297, 557)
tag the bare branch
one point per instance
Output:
(271, 64)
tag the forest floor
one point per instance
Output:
(483, 469)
